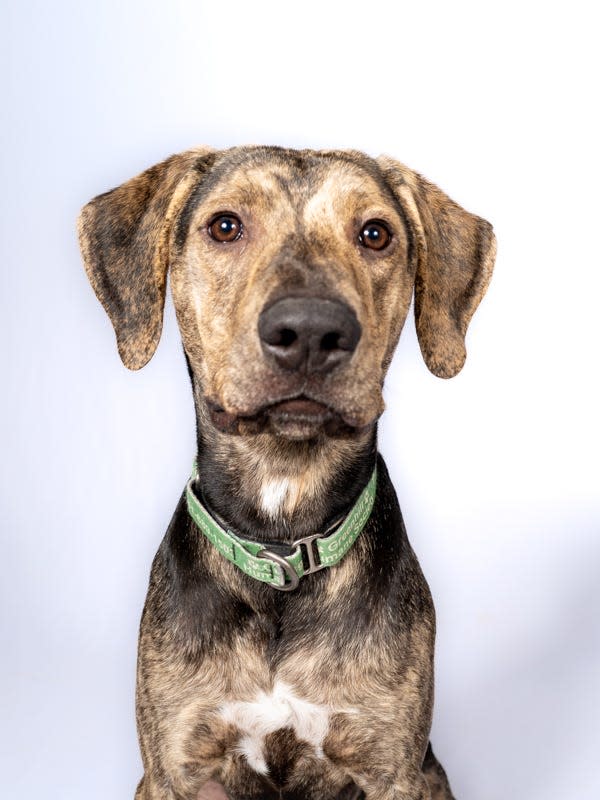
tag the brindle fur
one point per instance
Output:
(357, 638)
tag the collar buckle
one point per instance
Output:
(311, 552)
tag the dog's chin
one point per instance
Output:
(296, 419)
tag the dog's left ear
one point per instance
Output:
(124, 236)
(455, 252)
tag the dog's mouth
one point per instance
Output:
(299, 407)
(298, 418)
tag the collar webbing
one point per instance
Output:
(284, 572)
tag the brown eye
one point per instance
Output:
(375, 235)
(225, 228)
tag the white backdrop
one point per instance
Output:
(497, 470)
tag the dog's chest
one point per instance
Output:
(273, 715)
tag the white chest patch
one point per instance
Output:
(269, 712)
(273, 495)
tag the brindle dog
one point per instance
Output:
(292, 273)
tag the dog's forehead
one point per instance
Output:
(313, 182)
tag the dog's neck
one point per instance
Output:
(268, 488)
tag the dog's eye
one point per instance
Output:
(375, 235)
(225, 228)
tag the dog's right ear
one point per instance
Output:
(124, 237)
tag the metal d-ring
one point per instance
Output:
(285, 566)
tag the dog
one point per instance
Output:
(286, 643)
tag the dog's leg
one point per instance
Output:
(436, 777)
(433, 786)
(148, 789)
(415, 789)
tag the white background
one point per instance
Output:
(497, 470)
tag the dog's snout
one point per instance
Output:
(308, 334)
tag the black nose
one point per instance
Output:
(308, 334)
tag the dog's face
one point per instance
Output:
(292, 273)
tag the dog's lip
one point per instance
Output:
(300, 407)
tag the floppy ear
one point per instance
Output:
(124, 237)
(456, 252)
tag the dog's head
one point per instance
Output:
(292, 273)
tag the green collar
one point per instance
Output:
(309, 554)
